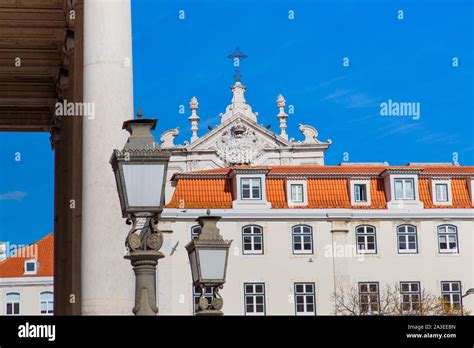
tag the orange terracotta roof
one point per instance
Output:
(44, 250)
(340, 170)
(460, 193)
(327, 186)
(202, 193)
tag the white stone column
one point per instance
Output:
(107, 278)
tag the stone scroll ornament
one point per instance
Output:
(148, 237)
(239, 145)
(217, 302)
(310, 134)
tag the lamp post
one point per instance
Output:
(140, 173)
(468, 292)
(208, 256)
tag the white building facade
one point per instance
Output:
(301, 231)
(27, 280)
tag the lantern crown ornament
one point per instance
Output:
(140, 170)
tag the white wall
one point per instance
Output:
(29, 295)
(278, 268)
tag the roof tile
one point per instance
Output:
(14, 265)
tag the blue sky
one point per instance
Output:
(407, 60)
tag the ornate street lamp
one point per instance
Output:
(208, 256)
(140, 173)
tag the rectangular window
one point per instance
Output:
(47, 303)
(208, 294)
(12, 304)
(360, 192)
(366, 240)
(404, 189)
(448, 239)
(451, 294)
(305, 301)
(252, 240)
(254, 297)
(302, 239)
(30, 267)
(407, 239)
(369, 298)
(410, 297)
(251, 188)
(297, 193)
(441, 192)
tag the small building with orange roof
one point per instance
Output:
(26, 279)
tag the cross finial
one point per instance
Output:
(139, 113)
(237, 56)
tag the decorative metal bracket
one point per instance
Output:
(217, 302)
(143, 244)
(148, 237)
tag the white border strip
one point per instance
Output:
(322, 214)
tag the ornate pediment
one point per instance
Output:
(239, 139)
(266, 139)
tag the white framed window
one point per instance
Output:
(208, 294)
(404, 189)
(12, 303)
(369, 299)
(305, 299)
(47, 302)
(302, 239)
(366, 240)
(441, 192)
(31, 267)
(410, 294)
(254, 298)
(296, 193)
(251, 188)
(448, 239)
(360, 192)
(407, 239)
(195, 231)
(252, 240)
(451, 294)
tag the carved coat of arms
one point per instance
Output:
(239, 145)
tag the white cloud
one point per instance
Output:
(14, 195)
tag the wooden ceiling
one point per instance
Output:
(33, 63)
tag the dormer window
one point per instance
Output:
(404, 189)
(441, 191)
(31, 267)
(360, 192)
(251, 188)
(401, 188)
(297, 192)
